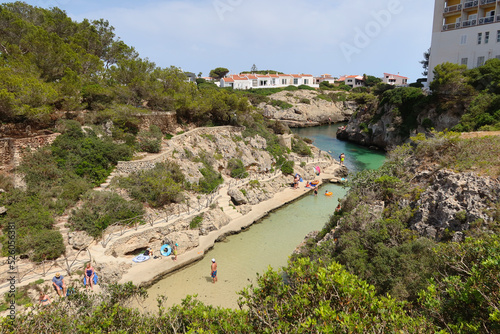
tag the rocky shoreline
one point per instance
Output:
(265, 190)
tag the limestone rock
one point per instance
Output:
(186, 240)
(111, 272)
(79, 240)
(3, 209)
(307, 109)
(452, 202)
(213, 220)
(237, 196)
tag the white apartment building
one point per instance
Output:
(247, 81)
(465, 32)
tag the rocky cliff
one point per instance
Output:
(387, 126)
(305, 108)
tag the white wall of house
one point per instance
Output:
(469, 40)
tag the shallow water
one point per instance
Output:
(268, 243)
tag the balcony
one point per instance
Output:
(471, 4)
(486, 20)
(486, 2)
(469, 23)
(451, 26)
(452, 9)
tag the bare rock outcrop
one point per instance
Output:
(453, 202)
(213, 220)
(79, 240)
(308, 109)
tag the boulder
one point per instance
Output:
(213, 220)
(111, 272)
(79, 240)
(237, 196)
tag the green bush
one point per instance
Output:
(237, 169)
(306, 87)
(46, 245)
(305, 101)
(211, 179)
(287, 167)
(150, 141)
(101, 209)
(280, 104)
(195, 222)
(300, 147)
(291, 88)
(158, 186)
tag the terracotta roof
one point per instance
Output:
(251, 76)
(394, 75)
(227, 80)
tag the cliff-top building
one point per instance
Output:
(465, 32)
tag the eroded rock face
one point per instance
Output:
(213, 220)
(452, 202)
(79, 240)
(111, 272)
(153, 237)
(308, 109)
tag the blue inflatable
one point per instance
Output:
(85, 279)
(141, 258)
(165, 250)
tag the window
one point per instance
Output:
(464, 61)
(498, 36)
(497, 56)
(479, 36)
(306, 81)
(480, 61)
(254, 82)
(486, 37)
(283, 81)
(463, 39)
(295, 81)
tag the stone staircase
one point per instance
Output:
(225, 203)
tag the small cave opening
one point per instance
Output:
(137, 251)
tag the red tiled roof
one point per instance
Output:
(394, 75)
(227, 79)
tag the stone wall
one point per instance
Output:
(12, 149)
(166, 121)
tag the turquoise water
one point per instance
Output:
(268, 243)
(357, 157)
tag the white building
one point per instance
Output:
(247, 81)
(465, 32)
(395, 79)
(325, 77)
(352, 80)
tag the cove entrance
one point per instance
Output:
(267, 243)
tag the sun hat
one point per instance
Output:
(58, 275)
(213, 260)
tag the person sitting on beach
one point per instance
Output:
(296, 181)
(338, 208)
(58, 282)
(149, 252)
(89, 276)
(44, 299)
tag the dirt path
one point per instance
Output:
(466, 135)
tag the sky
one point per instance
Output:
(336, 37)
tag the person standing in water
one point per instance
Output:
(342, 158)
(213, 273)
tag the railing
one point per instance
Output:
(485, 20)
(470, 4)
(451, 26)
(469, 23)
(453, 8)
(485, 2)
(42, 269)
